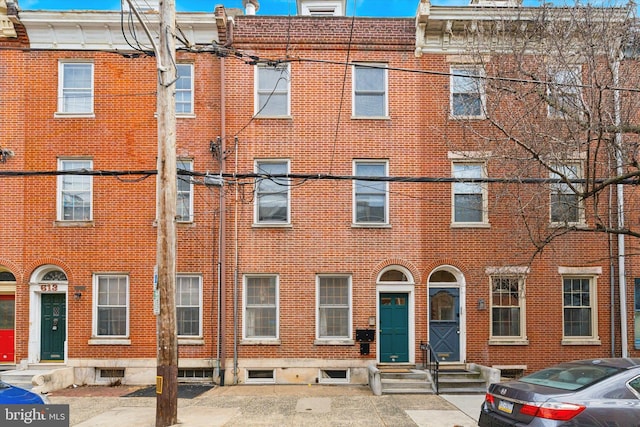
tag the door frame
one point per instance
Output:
(399, 289)
(460, 284)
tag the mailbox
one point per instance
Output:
(365, 335)
(364, 348)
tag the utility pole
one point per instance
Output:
(167, 369)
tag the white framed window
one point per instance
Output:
(321, 8)
(507, 307)
(75, 88)
(184, 89)
(75, 192)
(370, 198)
(184, 192)
(467, 93)
(565, 202)
(579, 308)
(111, 305)
(370, 83)
(272, 199)
(334, 307)
(564, 91)
(260, 307)
(469, 198)
(189, 305)
(273, 88)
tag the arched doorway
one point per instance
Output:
(447, 325)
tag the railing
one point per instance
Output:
(431, 363)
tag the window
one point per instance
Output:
(334, 307)
(272, 194)
(637, 313)
(579, 307)
(272, 90)
(507, 307)
(261, 307)
(370, 197)
(75, 88)
(74, 191)
(184, 89)
(184, 191)
(112, 305)
(469, 198)
(565, 200)
(370, 90)
(188, 303)
(564, 92)
(467, 92)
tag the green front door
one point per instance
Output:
(53, 332)
(394, 328)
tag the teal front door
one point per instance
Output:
(444, 323)
(394, 328)
(53, 332)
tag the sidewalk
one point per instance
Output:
(272, 405)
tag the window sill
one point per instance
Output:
(369, 225)
(452, 117)
(579, 341)
(190, 341)
(109, 341)
(515, 341)
(265, 341)
(579, 225)
(88, 223)
(370, 118)
(287, 117)
(334, 342)
(272, 225)
(185, 115)
(470, 225)
(60, 115)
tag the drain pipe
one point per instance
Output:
(235, 272)
(222, 232)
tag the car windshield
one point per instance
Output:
(570, 376)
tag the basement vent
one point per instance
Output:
(334, 376)
(108, 373)
(195, 374)
(264, 376)
(512, 374)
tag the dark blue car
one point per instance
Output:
(10, 394)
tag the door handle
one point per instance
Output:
(55, 324)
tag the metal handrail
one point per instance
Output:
(430, 361)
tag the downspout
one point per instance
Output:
(235, 273)
(222, 232)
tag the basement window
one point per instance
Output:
(194, 374)
(261, 376)
(334, 376)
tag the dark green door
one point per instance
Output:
(394, 328)
(53, 332)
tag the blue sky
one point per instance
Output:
(389, 8)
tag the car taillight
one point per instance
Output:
(552, 410)
(489, 399)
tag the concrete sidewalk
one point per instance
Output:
(275, 405)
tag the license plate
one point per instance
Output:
(506, 407)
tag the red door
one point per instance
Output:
(7, 328)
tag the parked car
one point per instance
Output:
(10, 394)
(594, 392)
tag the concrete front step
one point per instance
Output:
(22, 378)
(410, 382)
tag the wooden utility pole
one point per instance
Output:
(167, 370)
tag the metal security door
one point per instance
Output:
(53, 327)
(444, 323)
(394, 328)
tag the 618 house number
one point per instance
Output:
(49, 288)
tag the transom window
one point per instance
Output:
(334, 307)
(188, 305)
(507, 307)
(565, 204)
(272, 90)
(75, 191)
(272, 193)
(75, 88)
(184, 192)
(184, 89)
(261, 307)
(371, 198)
(469, 198)
(467, 92)
(111, 305)
(370, 90)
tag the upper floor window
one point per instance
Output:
(272, 193)
(261, 307)
(184, 89)
(184, 191)
(564, 91)
(507, 307)
(565, 203)
(370, 90)
(75, 88)
(370, 198)
(467, 92)
(189, 305)
(111, 305)
(272, 90)
(469, 198)
(75, 191)
(334, 307)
